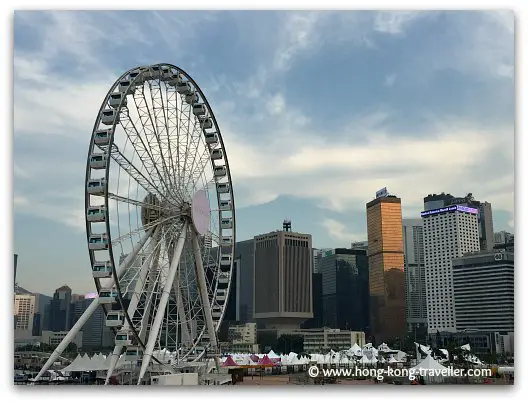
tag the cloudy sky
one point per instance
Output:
(318, 110)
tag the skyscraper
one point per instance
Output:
(483, 289)
(59, 312)
(345, 289)
(484, 214)
(415, 295)
(449, 233)
(25, 308)
(283, 279)
(386, 265)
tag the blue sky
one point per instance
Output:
(318, 110)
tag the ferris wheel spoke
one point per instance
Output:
(194, 150)
(132, 171)
(126, 200)
(149, 132)
(143, 228)
(142, 150)
(159, 128)
(170, 115)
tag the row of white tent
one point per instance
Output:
(469, 357)
(366, 355)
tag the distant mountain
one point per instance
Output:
(20, 290)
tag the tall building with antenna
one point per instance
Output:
(283, 279)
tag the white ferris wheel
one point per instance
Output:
(160, 219)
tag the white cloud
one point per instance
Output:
(394, 22)
(20, 201)
(389, 80)
(276, 104)
(505, 71)
(275, 151)
(339, 232)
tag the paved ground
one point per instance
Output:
(284, 379)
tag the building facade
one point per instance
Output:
(449, 233)
(243, 338)
(483, 288)
(245, 254)
(386, 268)
(345, 291)
(283, 279)
(317, 341)
(317, 303)
(415, 294)
(504, 241)
(484, 214)
(25, 309)
(59, 314)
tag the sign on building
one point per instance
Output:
(382, 193)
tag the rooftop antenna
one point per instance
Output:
(286, 225)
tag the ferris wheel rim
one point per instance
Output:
(92, 147)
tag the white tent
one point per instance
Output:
(73, 365)
(430, 369)
(272, 354)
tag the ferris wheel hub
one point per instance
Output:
(201, 212)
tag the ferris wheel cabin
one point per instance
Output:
(220, 171)
(206, 123)
(102, 269)
(199, 109)
(109, 116)
(191, 99)
(98, 242)
(221, 295)
(133, 74)
(216, 312)
(222, 187)
(225, 260)
(102, 137)
(223, 278)
(108, 296)
(217, 154)
(98, 160)
(226, 241)
(115, 318)
(133, 353)
(96, 187)
(225, 205)
(176, 78)
(211, 138)
(226, 223)
(115, 99)
(184, 88)
(166, 73)
(126, 87)
(96, 214)
(124, 338)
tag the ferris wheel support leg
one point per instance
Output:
(133, 303)
(113, 361)
(69, 337)
(204, 296)
(153, 336)
(186, 335)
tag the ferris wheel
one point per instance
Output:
(160, 218)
